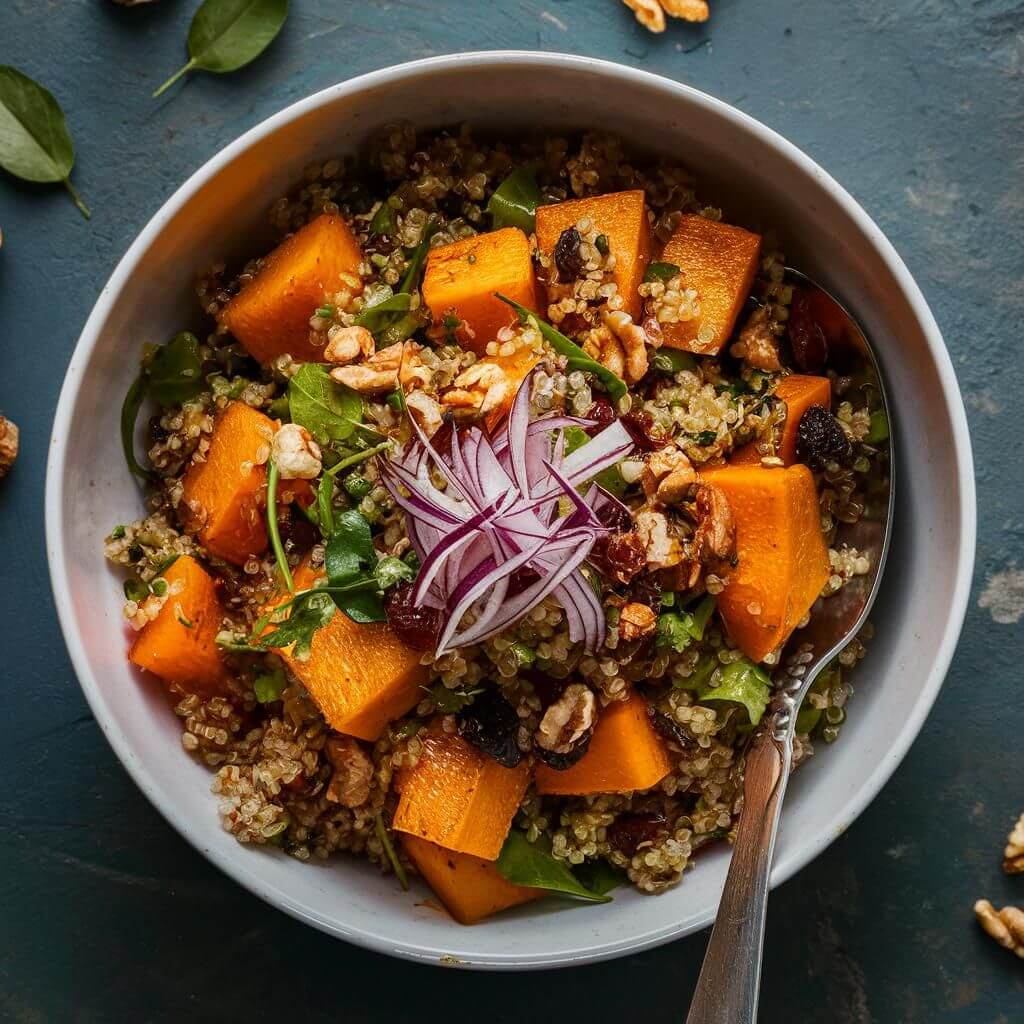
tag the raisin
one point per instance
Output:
(806, 338)
(820, 439)
(628, 832)
(619, 556)
(490, 723)
(417, 627)
(669, 728)
(603, 415)
(568, 260)
(560, 762)
(646, 435)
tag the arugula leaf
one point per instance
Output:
(272, 531)
(350, 548)
(658, 271)
(310, 611)
(672, 360)
(129, 415)
(269, 686)
(701, 615)
(451, 702)
(327, 409)
(226, 34)
(677, 630)
(532, 864)
(576, 357)
(383, 221)
(515, 201)
(411, 279)
(744, 683)
(175, 370)
(389, 572)
(381, 314)
(878, 428)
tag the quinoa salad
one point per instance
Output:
(481, 511)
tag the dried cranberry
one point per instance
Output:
(560, 762)
(820, 439)
(646, 435)
(491, 724)
(629, 831)
(602, 413)
(806, 338)
(568, 260)
(669, 728)
(619, 556)
(416, 626)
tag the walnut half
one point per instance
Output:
(353, 772)
(568, 720)
(1013, 855)
(8, 445)
(1006, 926)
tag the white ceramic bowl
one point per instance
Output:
(219, 211)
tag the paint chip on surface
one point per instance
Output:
(1003, 595)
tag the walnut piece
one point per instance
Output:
(353, 772)
(663, 550)
(8, 445)
(425, 411)
(1013, 855)
(346, 344)
(1006, 926)
(688, 10)
(383, 370)
(651, 13)
(668, 476)
(757, 344)
(568, 720)
(295, 453)
(478, 390)
(633, 339)
(602, 345)
(636, 621)
(715, 536)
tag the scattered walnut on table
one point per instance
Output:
(651, 13)
(1006, 926)
(8, 445)
(1013, 854)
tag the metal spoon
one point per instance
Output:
(727, 989)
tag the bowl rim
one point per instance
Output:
(236, 866)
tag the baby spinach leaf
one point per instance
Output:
(599, 876)
(226, 34)
(35, 144)
(350, 548)
(515, 201)
(532, 864)
(744, 683)
(576, 358)
(310, 611)
(175, 370)
(672, 360)
(327, 409)
(658, 271)
(129, 414)
(382, 314)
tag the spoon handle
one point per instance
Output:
(727, 988)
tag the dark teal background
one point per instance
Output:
(916, 106)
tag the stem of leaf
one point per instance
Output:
(389, 850)
(76, 198)
(272, 531)
(352, 460)
(177, 74)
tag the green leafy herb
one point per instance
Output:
(389, 572)
(383, 221)
(525, 656)
(326, 311)
(704, 438)
(349, 552)
(744, 683)
(698, 678)
(677, 630)
(701, 615)
(515, 201)
(228, 641)
(269, 686)
(878, 427)
(396, 400)
(532, 864)
(672, 360)
(451, 702)
(327, 409)
(384, 835)
(35, 144)
(601, 244)
(382, 314)
(357, 486)
(226, 34)
(658, 271)
(135, 589)
(599, 876)
(357, 457)
(272, 531)
(576, 357)
(311, 610)
(325, 505)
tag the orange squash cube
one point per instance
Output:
(782, 561)
(459, 798)
(799, 392)
(625, 755)
(719, 261)
(179, 645)
(360, 674)
(226, 494)
(469, 887)
(622, 218)
(270, 315)
(461, 280)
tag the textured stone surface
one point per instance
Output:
(917, 106)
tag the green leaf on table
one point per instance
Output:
(328, 410)
(35, 144)
(659, 271)
(742, 682)
(226, 34)
(576, 358)
(515, 201)
(175, 371)
(309, 611)
(532, 864)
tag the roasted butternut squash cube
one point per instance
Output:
(625, 755)
(459, 798)
(470, 888)
(799, 392)
(622, 218)
(782, 560)
(270, 315)
(719, 261)
(179, 645)
(360, 674)
(225, 493)
(461, 280)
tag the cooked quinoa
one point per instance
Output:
(281, 774)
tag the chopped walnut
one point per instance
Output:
(651, 13)
(633, 339)
(425, 411)
(295, 453)
(8, 445)
(353, 772)
(346, 344)
(568, 720)
(636, 621)
(715, 536)
(1006, 926)
(601, 344)
(663, 550)
(478, 390)
(1013, 855)
(668, 476)
(383, 370)
(688, 10)
(757, 344)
